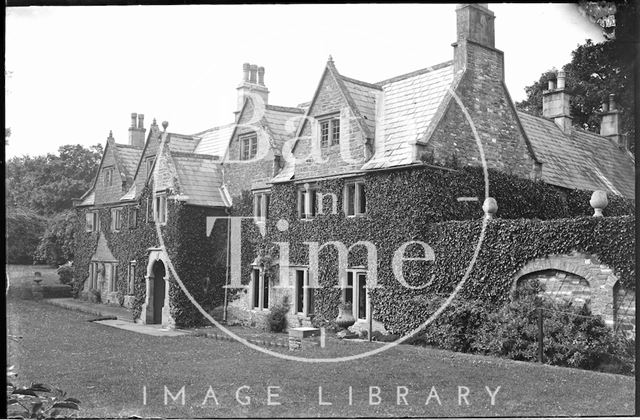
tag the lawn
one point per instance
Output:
(108, 370)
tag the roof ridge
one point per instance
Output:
(128, 146)
(194, 155)
(416, 73)
(216, 128)
(284, 109)
(573, 128)
(360, 82)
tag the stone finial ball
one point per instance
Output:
(165, 124)
(599, 202)
(490, 207)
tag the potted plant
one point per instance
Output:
(345, 317)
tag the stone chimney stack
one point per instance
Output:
(252, 86)
(610, 124)
(475, 29)
(137, 131)
(556, 103)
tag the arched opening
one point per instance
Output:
(560, 286)
(157, 295)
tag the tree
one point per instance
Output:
(57, 244)
(24, 229)
(47, 184)
(595, 71)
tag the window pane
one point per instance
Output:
(89, 222)
(348, 292)
(362, 296)
(351, 199)
(313, 202)
(335, 131)
(324, 133)
(253, 141)
(299, 290)
(267, 198)
(265, 295)
(363, 200)
(256, 288)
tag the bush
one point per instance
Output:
(24, 229)
(277, 318)
(572, 336)
(65, 273)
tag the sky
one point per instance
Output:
(75, 73)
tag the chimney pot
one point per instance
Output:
(605, 107)
(253, 70)
(133, 119)
(561, 79)
(612, 102)
(261, 76)
(246, 67)
(140, 120)
(552, 84)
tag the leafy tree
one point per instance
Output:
(24, 229)
(595, 71)
(46, 184)
(57, 244)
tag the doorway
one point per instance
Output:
(158, 291)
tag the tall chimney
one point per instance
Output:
(610, 123)
(475, 27)
(137, 130)
(556, 103)
(252, 86)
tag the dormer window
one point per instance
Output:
(248, 147)
(329, 132)
(108, 176)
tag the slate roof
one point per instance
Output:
(364, 98)
(199, 178)
(182, 143)
(128, 157)
(214, 141)
(581, 160)
(410, 103)
(277, 118)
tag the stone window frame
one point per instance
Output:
(94, 225)
(356, 273)
(160, 208)
(328, 130)
(261, 201)
(258, 279)
(308, 297)
(148, 161)
(107, 176)
(248, 146)
(134, 216)
(307, 201)
(131, 275)
(116, 219)
(359, 199)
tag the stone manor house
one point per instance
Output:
(357, 129)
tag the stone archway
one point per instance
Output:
(156, 307)
(599, 279)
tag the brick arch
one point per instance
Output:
(600, 278)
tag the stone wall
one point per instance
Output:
(582, 279)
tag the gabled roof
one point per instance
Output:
(183, 143)
(410, 103)
(580, 160)
(282, 123)
(214, 141)
(127, 158)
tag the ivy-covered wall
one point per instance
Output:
(534, 220)
(194, 255)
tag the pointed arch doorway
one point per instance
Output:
(156, 307)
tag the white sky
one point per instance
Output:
(78, 72)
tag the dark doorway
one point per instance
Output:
(158, 291)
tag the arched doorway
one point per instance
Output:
(157, 297)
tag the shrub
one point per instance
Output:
(277, 318)
(65, 273)
(572, 336)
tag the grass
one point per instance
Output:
(107, 368)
